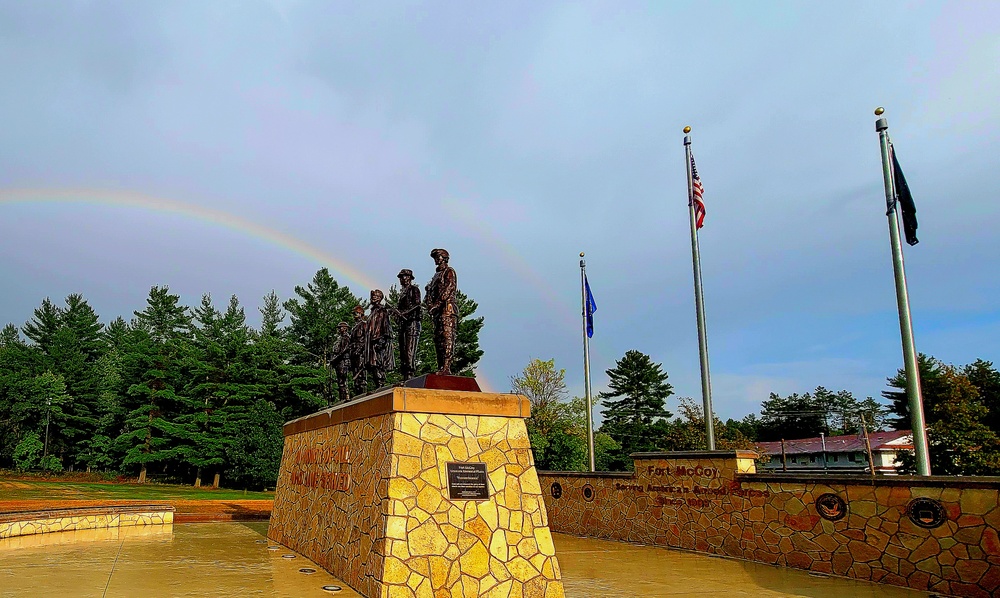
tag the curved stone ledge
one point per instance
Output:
(27, 523)
(960, 482)
(852, 526)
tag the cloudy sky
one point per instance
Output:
(237, 147)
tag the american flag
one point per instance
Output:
(697, 192)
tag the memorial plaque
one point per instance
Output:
(468, 481)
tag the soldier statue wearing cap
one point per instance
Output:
(442, 304)
(342, 360)
(357, 351)
(408, 314)
(379, 359)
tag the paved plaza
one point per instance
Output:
(234, 559)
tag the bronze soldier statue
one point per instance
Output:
(379, 358)
(358, 349)
(442, 304)
(408, 314)
(342, 360)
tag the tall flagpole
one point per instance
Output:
(586, 365)
(913, 391)
(699, 301)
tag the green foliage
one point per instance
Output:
(931, 386)
(687, 432)
(557, 427)
(315, 313)
(176, 393)
(51, 463)
(986, 379)
(961, 442)
(822, 411)
(606, 451)
(28, 452)
(467, 351)
(635, 415)
(255, 451)
(161, 333)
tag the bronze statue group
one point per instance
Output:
(365, 350)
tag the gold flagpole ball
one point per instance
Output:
(687, 130)
(581, 254)
(879, 111)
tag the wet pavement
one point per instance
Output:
(234, 559)
(603, 568)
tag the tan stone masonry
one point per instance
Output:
(363, 491)
(59, 520)
(714, 502)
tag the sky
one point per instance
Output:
(238, 147)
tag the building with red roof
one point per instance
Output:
(840, 454)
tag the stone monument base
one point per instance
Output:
(418, 493)
(442, 382)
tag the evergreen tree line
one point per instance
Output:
(180, 393)
(961, 405)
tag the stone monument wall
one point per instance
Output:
(364, 491)
(933, 533)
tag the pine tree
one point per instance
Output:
(287, 383)
(254, 452)
(151, 434)
(986, 379)
(467, 351)
(77, 346)
(931, 385)
(223, 385)
(100, 451)
(320, 306)
(19, 364)
(635, 415)
(43, 326)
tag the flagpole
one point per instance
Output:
(913, 392)
(586, 365)
(699, 301)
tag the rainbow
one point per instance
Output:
(132, 199)
(135, 200)
(562, 310)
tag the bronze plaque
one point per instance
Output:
(926, 512)
(468, 481)
(831, 507)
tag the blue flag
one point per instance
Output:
(591, 308)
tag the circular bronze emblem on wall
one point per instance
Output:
(588, 493)
(556, 490)
(831, 507)
(926, 512)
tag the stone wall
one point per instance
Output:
(59, 520)
(934, 533)
(363, 491)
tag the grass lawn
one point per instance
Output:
(19, 488)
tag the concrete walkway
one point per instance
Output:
(234, 559)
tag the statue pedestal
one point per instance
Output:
(439, 382)
(414, 492)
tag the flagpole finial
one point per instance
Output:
(687, 130)
(581, 254)
(879, 111)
